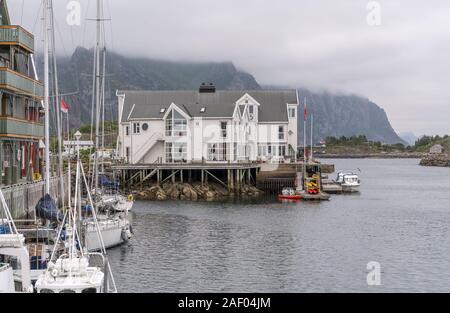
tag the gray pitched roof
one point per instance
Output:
(220, 104)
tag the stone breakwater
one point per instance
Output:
(194, 192)
(441, 160)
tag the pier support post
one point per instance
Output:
(203, 177)
(181, 176)
(229, 180)
(173, 177)
(238, 180)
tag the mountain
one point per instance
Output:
(334, 115)
(409, 137)
(75, 75)
(338, 115)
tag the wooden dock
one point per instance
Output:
(232, 176)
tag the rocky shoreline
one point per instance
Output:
(438, 160)
(371, 156)
(194, 192)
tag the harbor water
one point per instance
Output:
(400, 219)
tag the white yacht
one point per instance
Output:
(71, 274)
(349, 181)
(115, 230)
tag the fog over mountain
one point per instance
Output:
(334, 114)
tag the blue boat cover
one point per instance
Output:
(46, 208)
(107, 183)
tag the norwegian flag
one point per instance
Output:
(64, 106)
(305, 112)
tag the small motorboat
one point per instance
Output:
(289, 194)
(349, 181)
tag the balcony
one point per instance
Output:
(21, 84)
(16, 35)
(13, 127)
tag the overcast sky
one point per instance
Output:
(403, 64)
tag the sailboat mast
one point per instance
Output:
(57, 103)
(46, 97)
(97, 92)
(103, 108)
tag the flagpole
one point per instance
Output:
(68, 163)
(304, 144)
(312, 123)
(304, 130)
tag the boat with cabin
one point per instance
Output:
(349, 181)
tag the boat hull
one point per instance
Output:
(350, 188)
(112, 234)
(294, 197)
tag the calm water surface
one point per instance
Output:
(400, 219)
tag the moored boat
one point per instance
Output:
(349, 181)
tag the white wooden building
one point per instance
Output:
(207, 125)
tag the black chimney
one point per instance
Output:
(207, 88)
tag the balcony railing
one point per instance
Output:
(20, 83)
(18, 36)
(22, 128)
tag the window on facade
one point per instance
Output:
(127, 153)
(223, 129)
(176, 125)
(136, 128)
(176, 152)
(271, 150)
(127, 131)
(169, 124)
(292, 113)
(169, 153)
(250, 109)
(217, 152)
(281, 132)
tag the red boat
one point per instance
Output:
(289, 197)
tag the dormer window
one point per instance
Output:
(203, 110)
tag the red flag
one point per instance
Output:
(64, 106)
(305, 113)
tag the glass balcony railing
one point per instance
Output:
(17, 127)
(20, 83)
(18, 36)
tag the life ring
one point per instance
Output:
(37, 176)
(130, 198)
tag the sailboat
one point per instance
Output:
(76, 270)
(12, 247)
(112, 210)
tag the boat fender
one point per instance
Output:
(131, 229)
(130, 198)
(126, 234)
